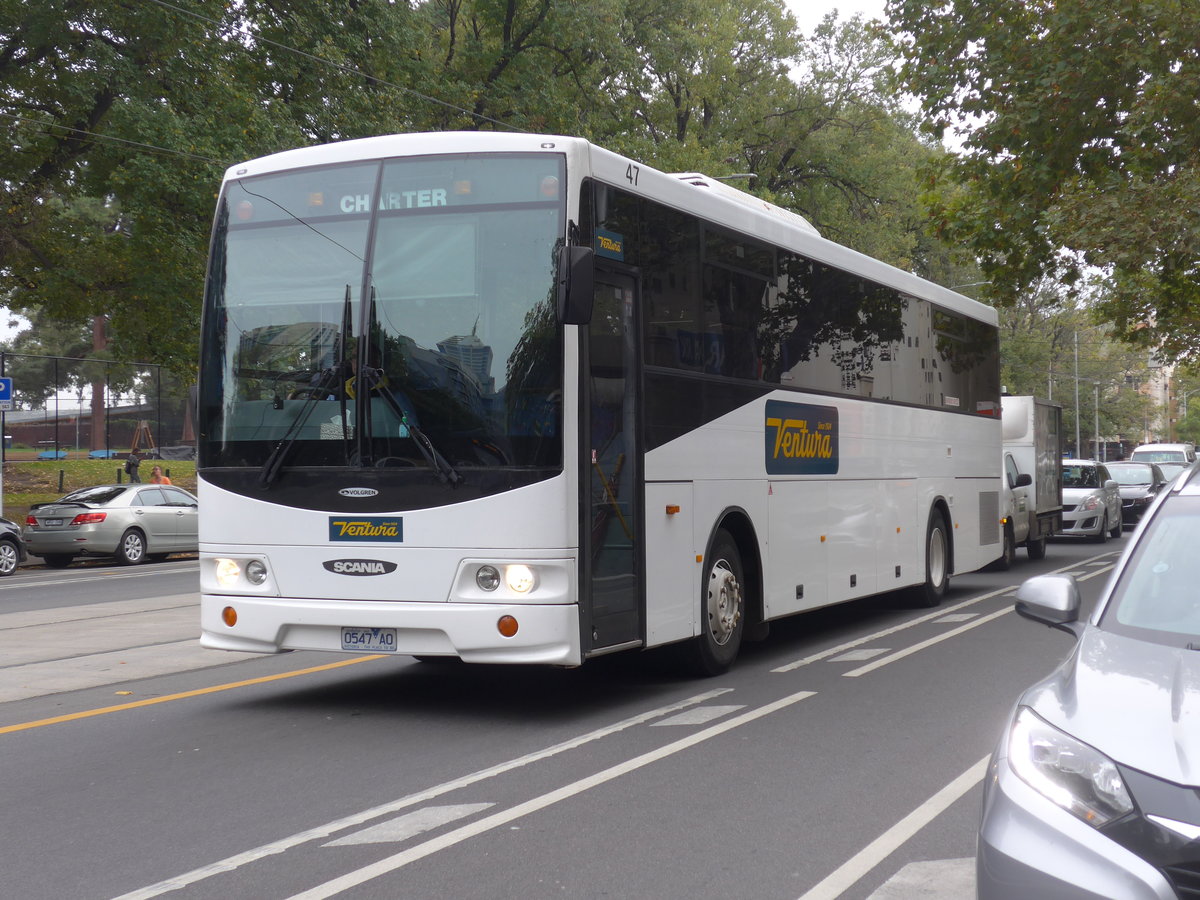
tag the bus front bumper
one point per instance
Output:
(545, 634)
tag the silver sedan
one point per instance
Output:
(129, 521)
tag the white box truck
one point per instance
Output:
(1031, 479)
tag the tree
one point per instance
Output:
(1079, 148)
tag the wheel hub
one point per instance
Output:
(724, 602)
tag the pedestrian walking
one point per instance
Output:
(132, 461)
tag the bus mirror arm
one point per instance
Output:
(575, 285)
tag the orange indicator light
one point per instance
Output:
(672, 509)
(229, 616)
(507, 626)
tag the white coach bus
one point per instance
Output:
(517, 399)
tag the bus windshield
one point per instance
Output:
(393, 313)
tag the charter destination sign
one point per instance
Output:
(800, 439)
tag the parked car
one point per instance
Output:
(128, 521)
(1171, 470)
(1091, 500)
(12, 547)
(1094, 788)
(1139, 485)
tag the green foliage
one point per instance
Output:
(123, 115)
(1081, 152)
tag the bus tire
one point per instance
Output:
(722, 609)
(1009, 554)
(1036, 547)
(937, 563)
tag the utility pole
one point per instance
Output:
(1078, 449)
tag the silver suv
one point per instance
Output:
(1094, 789)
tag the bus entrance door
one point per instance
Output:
(613, 618)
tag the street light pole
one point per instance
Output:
(1096, 425)
(1078, 449)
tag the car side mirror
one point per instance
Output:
(1052, 600)
(575, 285)
(1112, 483)
(1023, 480)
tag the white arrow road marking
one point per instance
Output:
(861, 655)
(935, 879)
(698, 716)
(403, 827)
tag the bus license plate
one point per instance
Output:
(375, 640)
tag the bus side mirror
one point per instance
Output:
(575, 285)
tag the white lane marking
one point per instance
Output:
(915, 648)
(920, 620)
(449, 839)
(956, 617)
(323, 831)
(698, 716)
(849, 872)
(860, 655)
(934, 879)
(409, 825)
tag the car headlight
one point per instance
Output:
(1069, 773)
(1091, 502)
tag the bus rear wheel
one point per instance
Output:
(722, 608)
(937, 563)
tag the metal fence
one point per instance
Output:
(72, 407)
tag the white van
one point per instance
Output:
(1180, 454)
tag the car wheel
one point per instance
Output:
(57, 560)
(1009, 554)
(1036, 548)
(1102, 535)
(9, 558)
(937, 564)
(722, 609)
(1116, 529)
(132, 549)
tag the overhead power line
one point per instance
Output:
(44, 126)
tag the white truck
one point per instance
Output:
(1031, 481)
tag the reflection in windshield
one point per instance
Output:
(456, 356)
(1157, 591)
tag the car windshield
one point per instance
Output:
(1131, 474)
(1080, 476)
(1156, 597)
(94, 495)
(1160, 456)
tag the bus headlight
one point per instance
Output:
(488, 578)
(227, 572)
(519, 578)
(256, 572)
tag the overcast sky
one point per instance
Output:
(809, 13)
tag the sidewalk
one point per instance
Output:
(76, 647)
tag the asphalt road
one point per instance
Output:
(842, 757)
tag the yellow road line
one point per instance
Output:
(87, 714)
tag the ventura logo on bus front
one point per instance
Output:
(359, 566)
(801, 439)
(366, 529)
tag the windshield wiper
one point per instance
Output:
(328, 381)
(446, 473)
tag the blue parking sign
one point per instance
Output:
(6, 393)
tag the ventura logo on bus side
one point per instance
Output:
(366, 528)
(800, 439)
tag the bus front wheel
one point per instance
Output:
(937, 563)
(722, 608)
